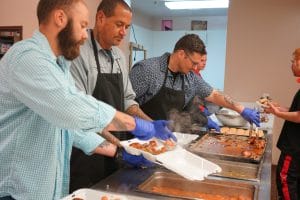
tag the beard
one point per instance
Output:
(69, 46)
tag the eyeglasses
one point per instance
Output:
(195, 64)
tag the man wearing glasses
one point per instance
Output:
(168, 82)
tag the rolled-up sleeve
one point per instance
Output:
(86, 142)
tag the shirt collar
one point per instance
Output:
(164, 62)
(60, 60)
(100, 49)
(44, 43)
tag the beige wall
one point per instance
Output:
(19, 13)
(23, 13)
(261, 37)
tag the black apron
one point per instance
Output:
(88, 170)
(164, 101)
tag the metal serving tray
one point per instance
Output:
(238, 170)
(177, 187)
(209, 147)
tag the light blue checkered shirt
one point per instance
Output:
(40, 109)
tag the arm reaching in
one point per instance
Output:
(135, 110)
(283, 113)
(220, 99)
(106, 148)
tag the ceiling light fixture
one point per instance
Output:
(196, 4)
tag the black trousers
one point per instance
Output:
(288, 177)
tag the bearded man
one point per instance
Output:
(41, 112)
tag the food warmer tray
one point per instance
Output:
(174, 186)
(214, 146)
(237, 170)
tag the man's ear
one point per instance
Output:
(181, 53)
(60, 18)
(100, 16)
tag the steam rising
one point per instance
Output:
(190, 121)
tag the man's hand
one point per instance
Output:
(136, 161)
(251, 116)
(162, 131)
(212, 125)
(144, 130)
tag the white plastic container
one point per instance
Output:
(178, 160)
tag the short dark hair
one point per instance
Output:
(45, 7)
(108, 6)
(191, 43)
(296, 53)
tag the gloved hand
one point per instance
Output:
(212, 125)
(251, 116)
(162, 131)
(136, 161)
(144, 130)
(205, 111)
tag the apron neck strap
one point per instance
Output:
(95, 51)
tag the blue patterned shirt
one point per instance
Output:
(147, 77)
(41, 116)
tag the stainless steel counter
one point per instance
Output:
(126, 180)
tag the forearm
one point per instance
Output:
(224, 101)
(135, 110)
(289, 116)
(284, 109)
(121, 122)
(106, 149)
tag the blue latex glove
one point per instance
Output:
(144, 130)
(206, 112)
(162, 131)
(136, 161)
(251, 116)
(212, 125)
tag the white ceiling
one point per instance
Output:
(156, 8)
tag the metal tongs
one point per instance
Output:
(253, 134)
(251, 129)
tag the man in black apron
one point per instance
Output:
(167, 82)
(101, 71)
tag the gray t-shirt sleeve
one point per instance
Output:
(78, 71)
(129, 94)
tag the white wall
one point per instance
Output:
(143, 36)
(158, 42)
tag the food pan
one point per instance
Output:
(229, 147)
(238, 170)
(172, 185)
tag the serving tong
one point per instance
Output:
(253, 134)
